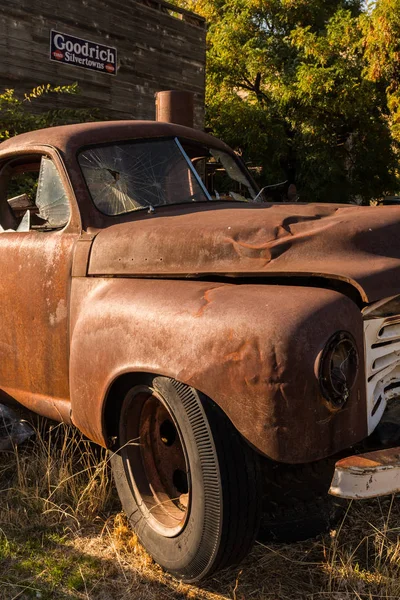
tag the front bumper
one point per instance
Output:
(367, 475)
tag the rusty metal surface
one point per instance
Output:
(164, 464)
(35, 272)
(34, 299)
(359, 245)
(174, 106)
(379, 458)
(69, 138)
(367, 475)
(253, 349)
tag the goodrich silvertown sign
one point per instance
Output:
(78, 52)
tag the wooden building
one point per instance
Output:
(120, 53)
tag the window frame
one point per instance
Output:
(180, 140)
(74, 223)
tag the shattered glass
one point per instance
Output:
(136, 175)
(51, 198)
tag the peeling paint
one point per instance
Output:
(367, 475)
(60, 314)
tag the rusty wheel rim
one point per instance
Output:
(156, 460)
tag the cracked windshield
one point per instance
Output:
(137, 175)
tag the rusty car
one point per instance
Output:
(211, 340)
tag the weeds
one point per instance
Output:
(58, 477)
(62, 536)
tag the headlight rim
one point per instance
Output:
(336, 397)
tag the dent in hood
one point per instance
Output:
(356, 244)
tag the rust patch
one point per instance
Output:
(207, 301)
(240, 353)
(371, 460)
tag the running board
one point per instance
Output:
(367, 475)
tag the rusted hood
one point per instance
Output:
(360, 245)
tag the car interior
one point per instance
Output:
(32, 196)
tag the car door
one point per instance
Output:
(39, 226)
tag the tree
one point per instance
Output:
(21, 114)
(344, 147)
(287, 84)
(382, 50)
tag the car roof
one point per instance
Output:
(68, 138)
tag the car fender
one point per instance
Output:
(253, 349)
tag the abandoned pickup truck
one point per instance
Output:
(152, 298)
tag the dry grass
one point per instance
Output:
(62, 536)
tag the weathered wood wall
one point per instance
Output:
(156, 51)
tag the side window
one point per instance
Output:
(32, 196)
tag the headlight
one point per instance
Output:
(338, 367)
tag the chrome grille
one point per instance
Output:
(382, 354)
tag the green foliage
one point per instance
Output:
(382, 49)
(43, 563)
(344, 148)
(21, 114)
(309, 90)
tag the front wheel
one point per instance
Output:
(188, 483)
